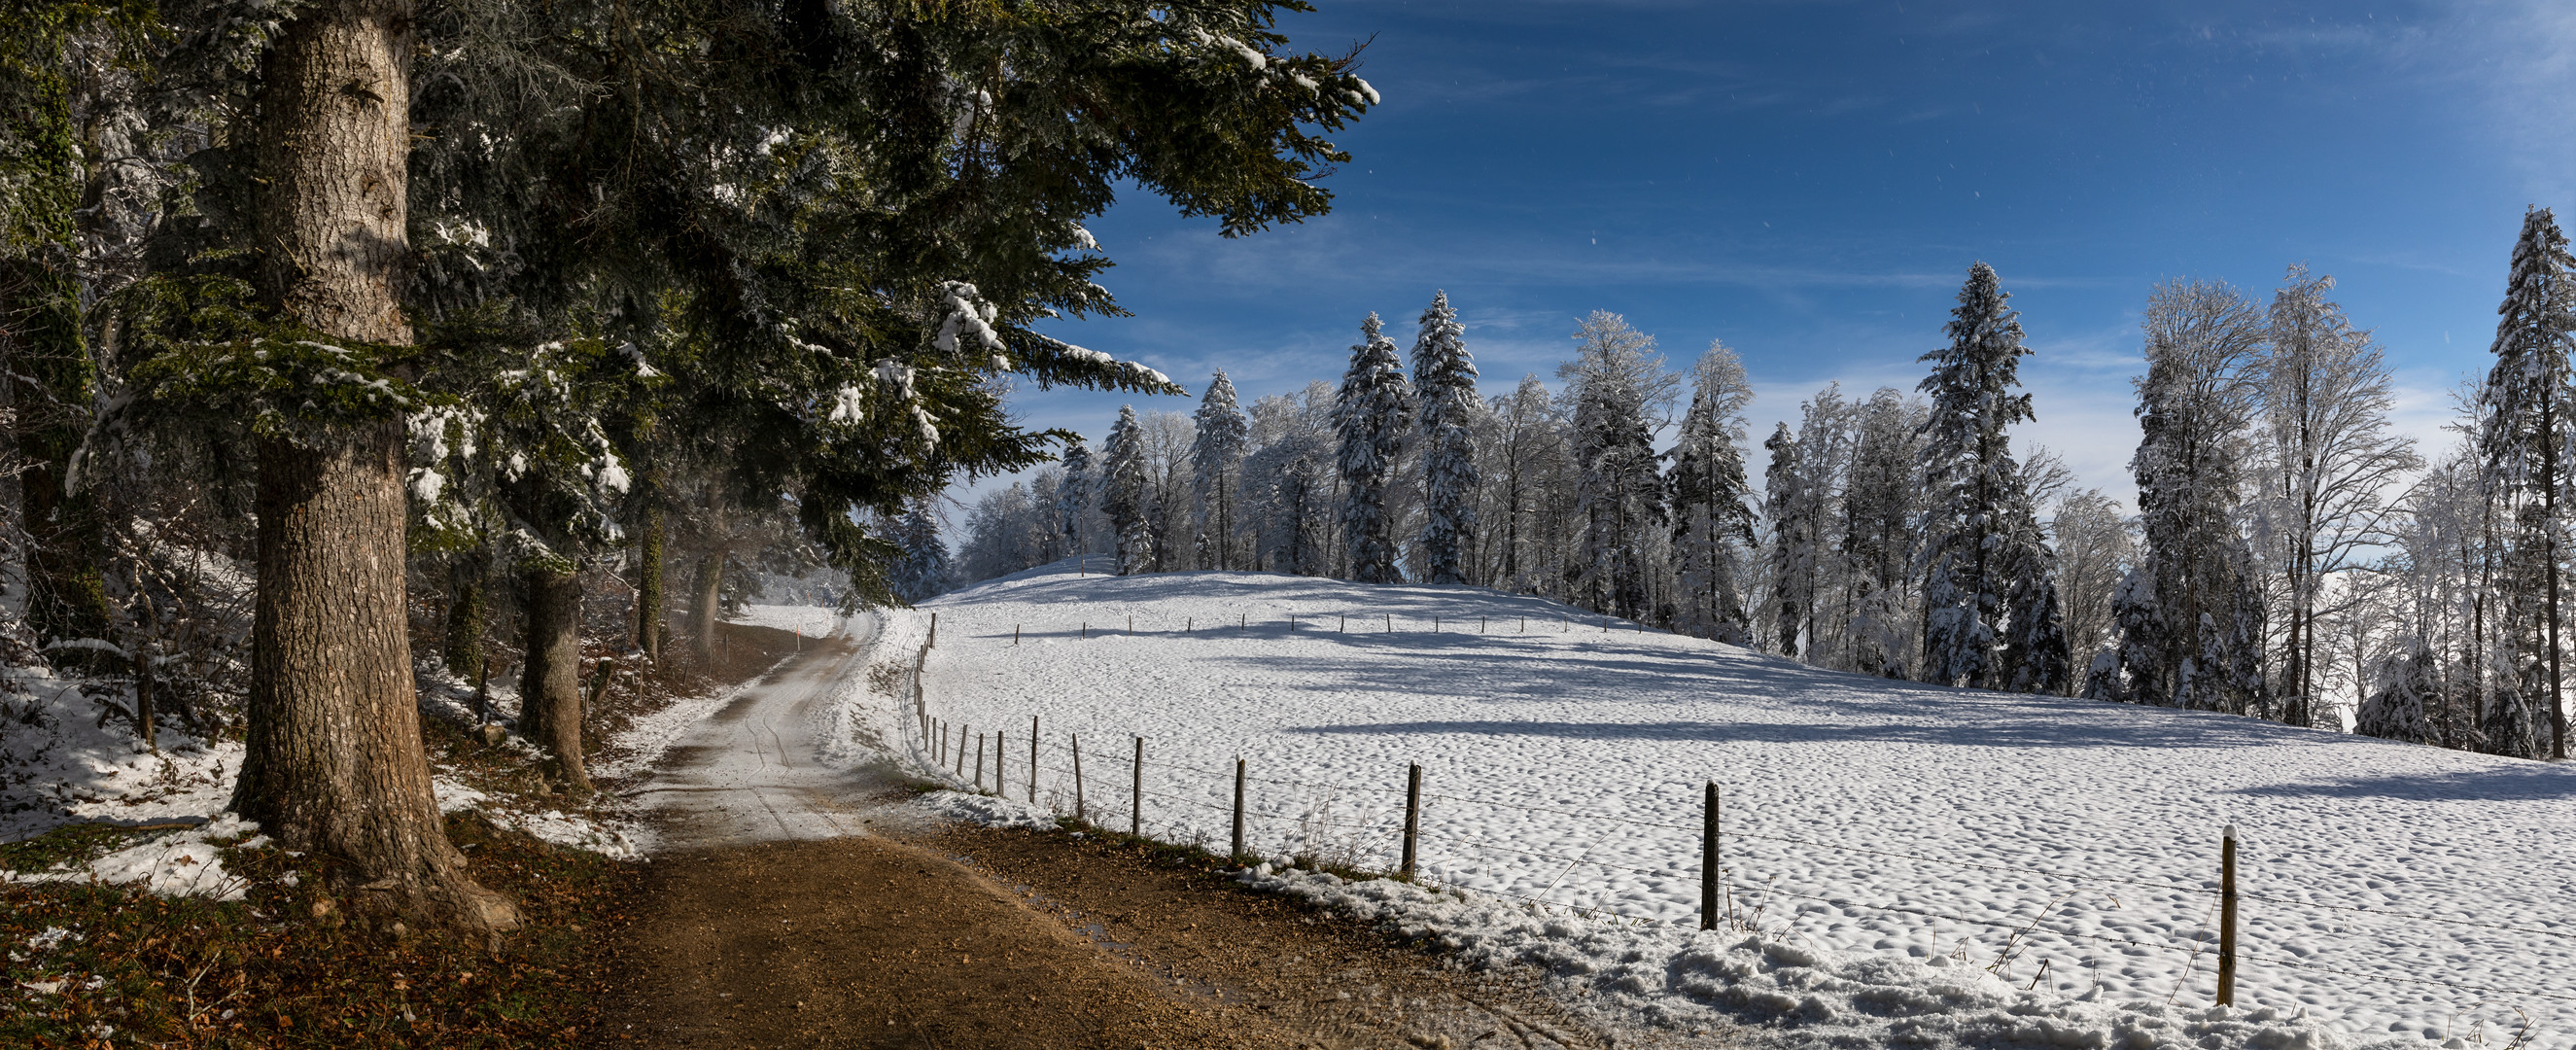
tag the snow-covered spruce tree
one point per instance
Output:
(1126, 493)
(1616, 386)
(1216, 460)
(1369, 413)
(1968, 464)
(1444, 381)
(925, 570)
(1712, 501)
(1793, 541)
(2035, 655)
(2190, 613)
(1073, 498)
(1444, 456)
(2527, 429)
(2331, 467)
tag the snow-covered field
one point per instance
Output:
(812, 621)
(2391, 891)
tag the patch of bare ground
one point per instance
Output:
(970, 937)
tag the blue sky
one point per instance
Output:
(1809, 182)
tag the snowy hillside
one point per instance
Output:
(2391, 890)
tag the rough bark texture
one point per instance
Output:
(550, 682)
(710, 601)
(334, 762)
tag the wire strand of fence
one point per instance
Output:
(2433, 982)
(1061, 774)
(1580, 909)
(1516, 851)
(2031, 925)
(2175, 887)
(1692, 828)
(2561, 934)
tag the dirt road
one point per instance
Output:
(801, 905)
(753, 771)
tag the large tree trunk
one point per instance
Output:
(710, 601)
(550, 682)
(334, 762)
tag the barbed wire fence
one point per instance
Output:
(1313, 826)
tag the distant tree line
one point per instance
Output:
(2291, 557)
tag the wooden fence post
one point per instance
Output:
(1001, 747)
(1015, 634)
(1412, 814)
(1710, 873)
(1131, 627)
(2227, 918)
(934, 633)
(961, 754)
(1136, 802)
(938, 743)
(1077, 777)
(1033, 760)
(979, 763)
(1237, 854)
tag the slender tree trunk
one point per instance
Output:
(710, 601)
(334, 763)
(648, 576)
(465, 618)
(550, 681)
